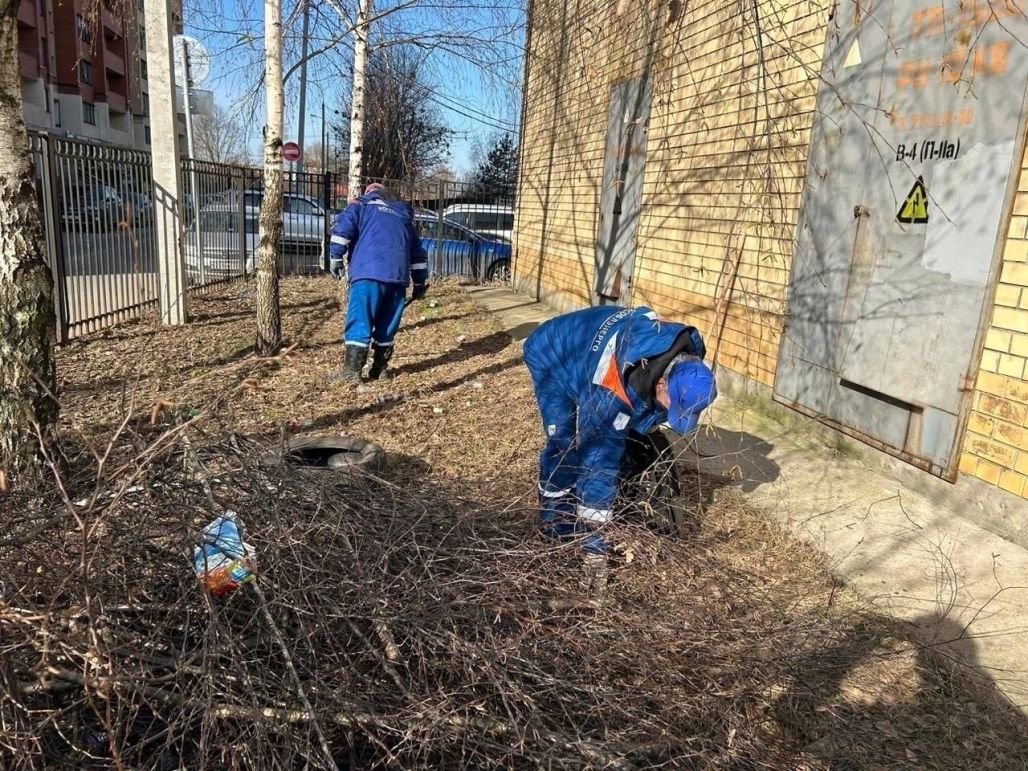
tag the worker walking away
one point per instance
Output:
(375, 246)
(599, 374)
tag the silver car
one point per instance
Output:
(305, 224)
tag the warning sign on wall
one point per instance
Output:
(915, 207)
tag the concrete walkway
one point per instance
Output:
(910, 549)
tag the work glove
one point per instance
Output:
(420, 290)
(696, 346)
(337, 267)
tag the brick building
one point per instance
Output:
(83, 69)
(837, 193)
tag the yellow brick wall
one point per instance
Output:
(726, 159)
(996, 443)
(563, 146)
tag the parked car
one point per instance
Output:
(304, 225)
(495, 221)
(91, 206)
(460, 249)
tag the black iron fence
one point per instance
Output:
(222, 214)
(100, 242)
(97, 206)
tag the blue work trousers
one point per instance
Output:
(373, 313)
(559, 468)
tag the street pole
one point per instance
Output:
(166, 164)
(194, 178)
(324, 147)
(301, 129)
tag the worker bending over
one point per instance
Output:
(599, 373)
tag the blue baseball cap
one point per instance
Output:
(692, 389)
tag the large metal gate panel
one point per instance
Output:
(919, 128)
(821, 270)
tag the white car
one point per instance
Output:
(494, 221)
(304, 226)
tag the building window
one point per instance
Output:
(89, 113)
(57, 113)
(142, 69)
(84, 33)
(146, 104)
(86, 72)
(146, 134)
(142, 39)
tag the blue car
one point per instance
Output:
(462, 251)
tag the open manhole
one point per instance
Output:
(341, 454)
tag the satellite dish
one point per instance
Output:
(199, 60)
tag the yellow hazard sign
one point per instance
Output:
(914, 210)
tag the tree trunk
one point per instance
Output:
(360, 75)
(27, 374)
(269, 321)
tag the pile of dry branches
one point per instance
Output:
(395, 626)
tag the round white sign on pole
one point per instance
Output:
(199, 60)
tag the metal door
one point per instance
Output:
(909, 181)
(621, 193)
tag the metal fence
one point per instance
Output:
(97, 206)
(100, 244)
(99, 217)
(222, 214)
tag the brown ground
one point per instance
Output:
(732, 649)
(453, 366)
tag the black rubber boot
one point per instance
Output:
(353, 364)
(380, 361)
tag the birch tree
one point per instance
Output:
(269, 320)
(361, 34)
(27, 373)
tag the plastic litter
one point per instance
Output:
(224, 561)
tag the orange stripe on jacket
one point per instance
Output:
(612, 381)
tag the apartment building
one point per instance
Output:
(84, 74)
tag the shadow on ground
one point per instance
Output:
(484, 346)
(872, 680)
(736, 455)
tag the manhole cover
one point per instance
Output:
(341, 454)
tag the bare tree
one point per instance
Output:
(312, 153)
(458, 38)
(221, 137)
(27, 372)
(404, 134)
(269, 320)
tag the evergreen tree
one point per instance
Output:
(497, 174)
